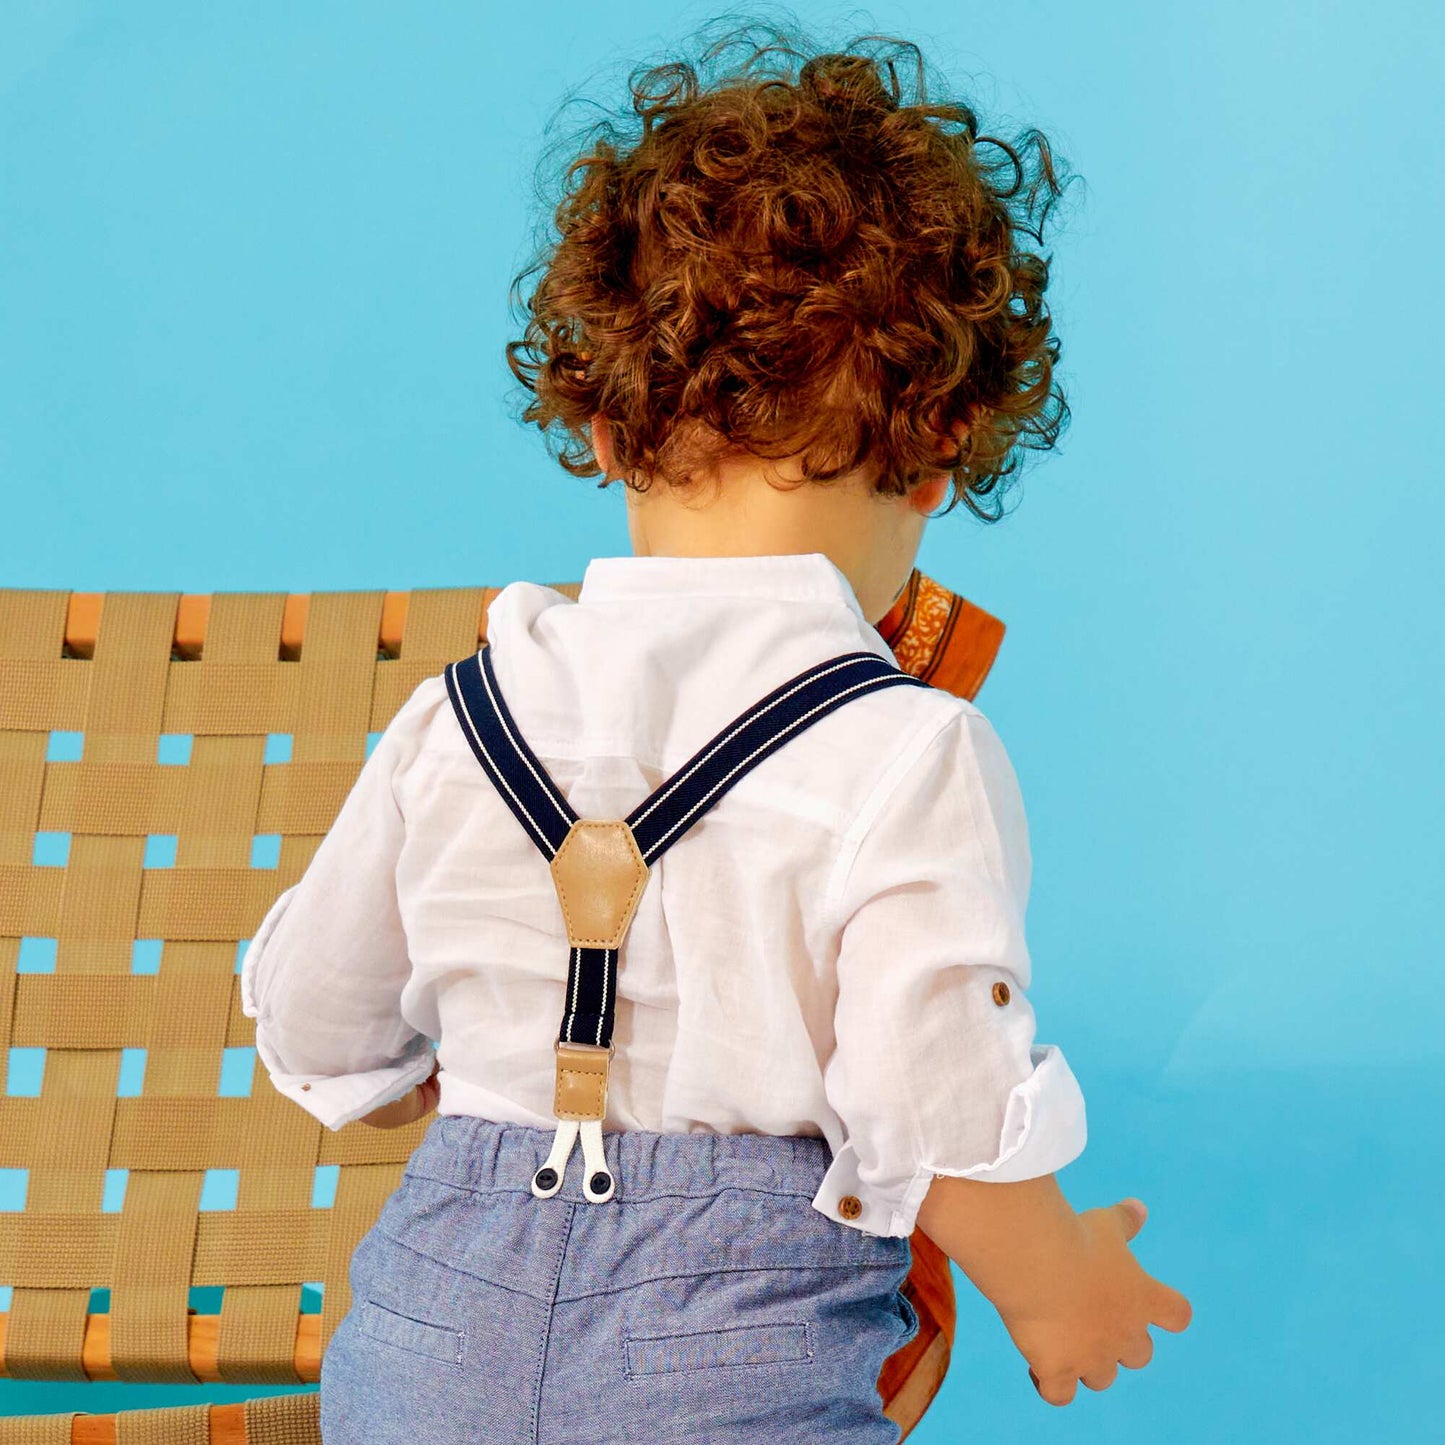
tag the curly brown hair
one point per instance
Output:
(784, 264)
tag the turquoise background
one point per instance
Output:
(253, 274)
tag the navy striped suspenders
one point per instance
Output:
(600, 866)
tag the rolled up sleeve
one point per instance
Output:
(324, 972)
(935, 1068)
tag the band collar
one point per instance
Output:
(785, 577)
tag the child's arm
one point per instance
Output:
(326, 970)
(954, 1114)
(1072, 1296)
(410, 1107)
(935, 1069)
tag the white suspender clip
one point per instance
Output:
(595, 1164)
(580, 1106)
(548, 1179)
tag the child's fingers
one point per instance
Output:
(1169, 1309)
(1058, 1389)
(1138, 1353)
(1131, 1215)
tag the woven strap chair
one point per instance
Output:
(229, 670)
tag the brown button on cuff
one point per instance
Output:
(305, 1086)
(850, 1207)
(1000, 993)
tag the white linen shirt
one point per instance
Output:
(816, 955)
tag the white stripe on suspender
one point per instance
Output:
(722, 782)
(677, 779)
(517, 746)
(501, 778)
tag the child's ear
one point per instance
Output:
(602, 444)
(927, 495)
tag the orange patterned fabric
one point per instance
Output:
(941, 637)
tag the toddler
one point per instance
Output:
(758, 1010)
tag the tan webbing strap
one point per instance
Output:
(117, 671)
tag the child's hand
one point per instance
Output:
(1066, 1285)
(409, 1108)
(1096, 1314)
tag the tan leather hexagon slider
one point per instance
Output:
(599, 874)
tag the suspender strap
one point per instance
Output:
(660, 819)
(600, 866)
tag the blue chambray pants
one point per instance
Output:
(707, 1301)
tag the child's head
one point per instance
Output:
(795, 261)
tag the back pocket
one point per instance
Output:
(421, 1337)
(743, 1345)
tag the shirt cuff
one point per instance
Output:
(870, 1209)
(337, 1100)
(1044, 1128)
(251, 959)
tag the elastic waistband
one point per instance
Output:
(476, 1153)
